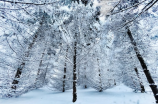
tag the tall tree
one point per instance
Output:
(152, 85)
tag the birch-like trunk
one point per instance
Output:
(140, 82)
(65, 65)
(27, 54)
(38, 83)
(74, 73)
(152, 85)
(100, 80)
(22, 65)
(85, 77)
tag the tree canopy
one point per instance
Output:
(63, 44)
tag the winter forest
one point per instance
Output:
(73, 45)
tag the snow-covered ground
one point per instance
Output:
(117, 95)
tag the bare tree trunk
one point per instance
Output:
(85, 86)
(134, 84)
(144, 66)
(114, 82)
(39, 69)
(45, 73)
(100, 81)
(85, 78)
(141, 83)
(22, 65)
(74, 74)
(65, 65)
(64, 77)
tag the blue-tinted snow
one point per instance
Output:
(117, 95)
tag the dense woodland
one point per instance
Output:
(63, 44)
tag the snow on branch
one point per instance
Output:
(29, 3)
(106, 6)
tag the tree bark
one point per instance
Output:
(74, 74)
(134, 84)
(114, 82)
(85, 78)
(22, 65)
(144, 66)
(65, 65)
(45, 73)
(100, 81)
(36, 84)
(64, 77)
(141, 83)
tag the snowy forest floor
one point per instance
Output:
(117, 95)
